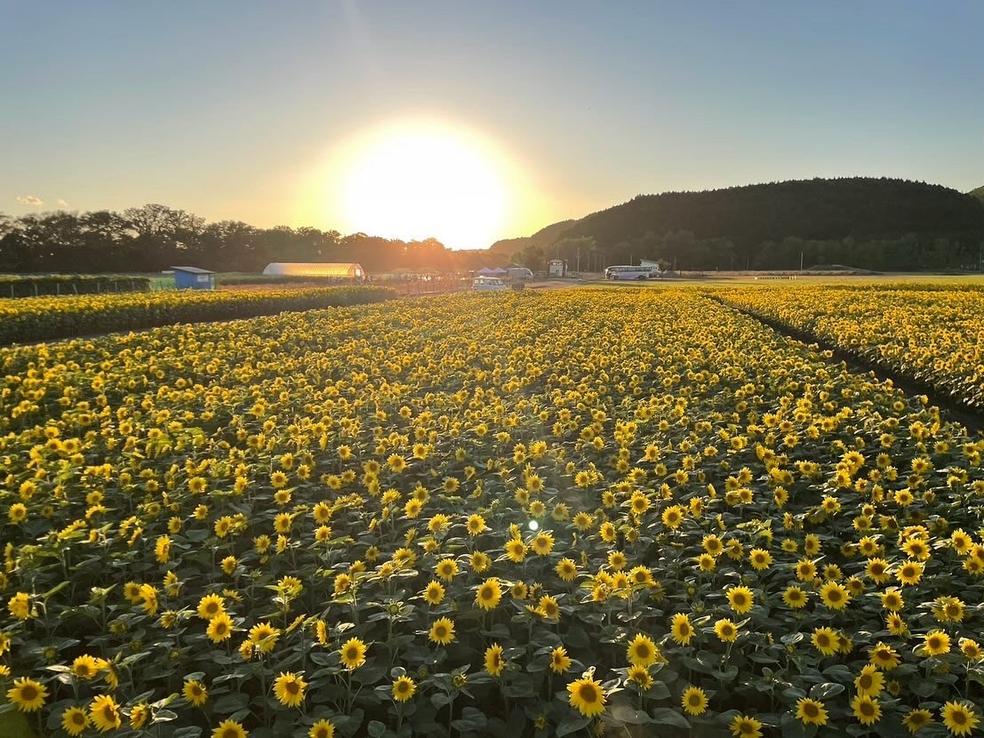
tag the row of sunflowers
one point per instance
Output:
(933, 336)
(29, 320)
(595, 512)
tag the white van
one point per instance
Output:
(628, 272)
(489, 284)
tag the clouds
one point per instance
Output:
(33, 201)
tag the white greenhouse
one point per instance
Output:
(338, 270)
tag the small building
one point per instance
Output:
(321, 270)
(193, 278)
(557, 268)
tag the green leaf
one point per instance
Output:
(571, 725)
(666, 716)
(627, 714)
(471, 719)
(826, 690)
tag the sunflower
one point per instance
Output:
(910, 572)
(353, 654)
(74, 721)
(936, 643)
(104, 713)
(891, 599)
(835, 595)
(959, 717)
(495, 664)
(264, 637)
(560, 662)
(586, 696)
(87, 667)
(878, 570)
(403, 688)
(884, 656)
(219, 628)
(706, 562)
(640, 676)
(548, 609)
(434, 593)
(971, 649)
(515, 550)
(475, 524)
(441, 631)
(322, 729)
(811, 712)
(741, 599)
(866, 709)
(139, 714)
(542, 544)
(805, 570)
(916, 720)
(641, 651)
(760, 559)
(795, 597)
(489, 594)
(825, 640)
(289, 689)
(726, 630)
(446, 569)
(19, 605)
(195, 692)
(27, 695)
(694, 701)
(743, 726)
(566, 569)
(681, 629)
(229, 729)
(713, 545)
(870, 681)
(949, 609)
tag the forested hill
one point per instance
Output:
(863, 222)
(542, 238)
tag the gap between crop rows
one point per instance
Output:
(952, 408)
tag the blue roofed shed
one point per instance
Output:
(193, 278)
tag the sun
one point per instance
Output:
(416, 179)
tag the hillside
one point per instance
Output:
(864, 222)
(978, 193)
(542, 238)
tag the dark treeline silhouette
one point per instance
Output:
(154, 237)
(882, 224)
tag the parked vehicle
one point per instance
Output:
(488, 284)
(627, 272)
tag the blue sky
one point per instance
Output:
(226, 108)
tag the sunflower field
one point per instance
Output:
(583, 512)
(933, 336)
(28, 320)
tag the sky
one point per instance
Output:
(467, 120)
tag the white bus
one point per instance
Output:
(629, 272)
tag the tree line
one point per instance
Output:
(154, 237)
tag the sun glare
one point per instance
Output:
(420, 179)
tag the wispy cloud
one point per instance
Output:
(61, 203)
(31, 200)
